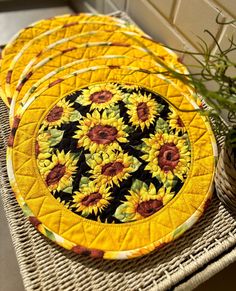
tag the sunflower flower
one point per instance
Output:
(42, 146)
(142, 201)
(130, 87)
(64, 203)
(59, 170)
(46, 140)
(167, 155)
(91, 198)
(108, 168)
(175, 122)
(142, 109)
(61, 113)
(99, 132)
(100, 96)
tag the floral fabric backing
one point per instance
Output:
(113, 153)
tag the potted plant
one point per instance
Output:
(218, 69)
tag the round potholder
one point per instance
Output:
(91, 38)
(35, 29)
(69, 70)
(43, 27)
(121, 43)
(109, 169)
(67, 46)
(11, 71)
(32, 86)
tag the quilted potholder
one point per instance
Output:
(104, 165)
(13, 63)
(82, 65)
(68, 52)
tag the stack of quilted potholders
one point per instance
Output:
(100, 157)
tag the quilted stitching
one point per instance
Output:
(110, 37)
(71, 70)
(43, 26)
(60, 61)
(38, 43)
(28, 56)
(51, 218)
(139, 233)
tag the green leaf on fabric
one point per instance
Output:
(171, 183)
(126, 98)
(137, 184)
(75, 116)
(68, 190)
(136, 164)
(114, 110)
(160, 107)
(56, 136)
(139, 147)
(123, 214)
(129, 129)
(83, 181)
(50, 235)
(27, 210)
(161, 126)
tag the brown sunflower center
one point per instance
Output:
(180, 122)
(101, 97)
(168, 157)
(55, 174)
(147, 208)
(91, 199)
(112, 169)
(102, 134)
(54, 114)
(143, 111)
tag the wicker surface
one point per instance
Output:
(225, 178)
(46, 266)
(202, 251)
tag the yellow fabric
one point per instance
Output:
(116, 61)
(187, 205)
(42, 27)
(118, 38)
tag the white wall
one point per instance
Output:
(176, 23)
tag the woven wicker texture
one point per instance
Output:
(225, 181)
(46, 266)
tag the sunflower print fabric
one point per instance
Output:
(113, 153)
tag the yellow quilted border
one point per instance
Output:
(117, 241)
(25, 37)
(113, 43)
(109, 60)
